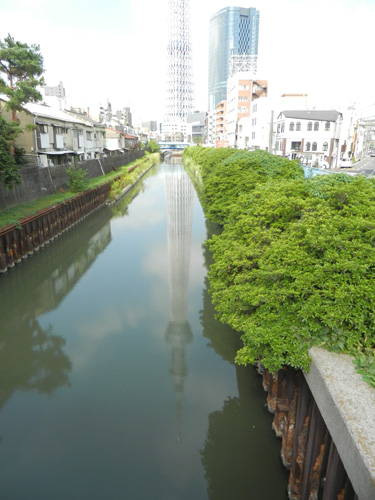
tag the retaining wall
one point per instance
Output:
(17, 243)
(43, 181)
(326, 421)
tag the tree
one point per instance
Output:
(21, 69)
(9, 174)
(153, 146)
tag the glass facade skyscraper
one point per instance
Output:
(232, 30)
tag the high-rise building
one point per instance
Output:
(232, 31)
(180, 75)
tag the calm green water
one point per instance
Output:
(116, 381)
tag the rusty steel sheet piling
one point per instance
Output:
(307, 449)
(19, 241)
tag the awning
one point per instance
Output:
(55, 152)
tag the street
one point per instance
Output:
(365, 167)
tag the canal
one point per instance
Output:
(116, 381)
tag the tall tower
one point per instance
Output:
(180, 93)
(233, 31)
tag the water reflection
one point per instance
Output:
(239, 441)
(103, 287)
(179, 200)
(121, 209)
(32, 357)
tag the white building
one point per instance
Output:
(211, 128)
(243, 89)
(315, 137)
(176, 130)
(255, 131)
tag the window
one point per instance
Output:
(309, 126)
(296, 146)
(308, 146)
(314, 146)
(43, 129)
(325, 146)
(316, 126)
(89, 136)
(283, 127)
(59, 130)
(298, 126)
(328, 126)
(291, 126)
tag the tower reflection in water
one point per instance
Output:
(180, 201)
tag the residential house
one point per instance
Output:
(119, 142)
(58, 137)
(95, 139)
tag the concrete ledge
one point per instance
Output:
(347, 405)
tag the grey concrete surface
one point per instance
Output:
(347, 404)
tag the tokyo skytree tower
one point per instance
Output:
(180, 94)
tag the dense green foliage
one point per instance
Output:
(295, 263)
(9, 174)
(153, 146)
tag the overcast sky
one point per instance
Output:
(116, 50)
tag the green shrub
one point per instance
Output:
(294, 265)
(153, 146)
(77, 178)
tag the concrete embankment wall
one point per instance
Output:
(43, 181)
(326, 421)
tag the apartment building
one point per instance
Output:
(243, 90)
(221, 139)
(315, 137)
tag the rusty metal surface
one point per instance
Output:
(33, 232)
(307, 449)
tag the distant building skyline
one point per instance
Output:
(232, 30)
